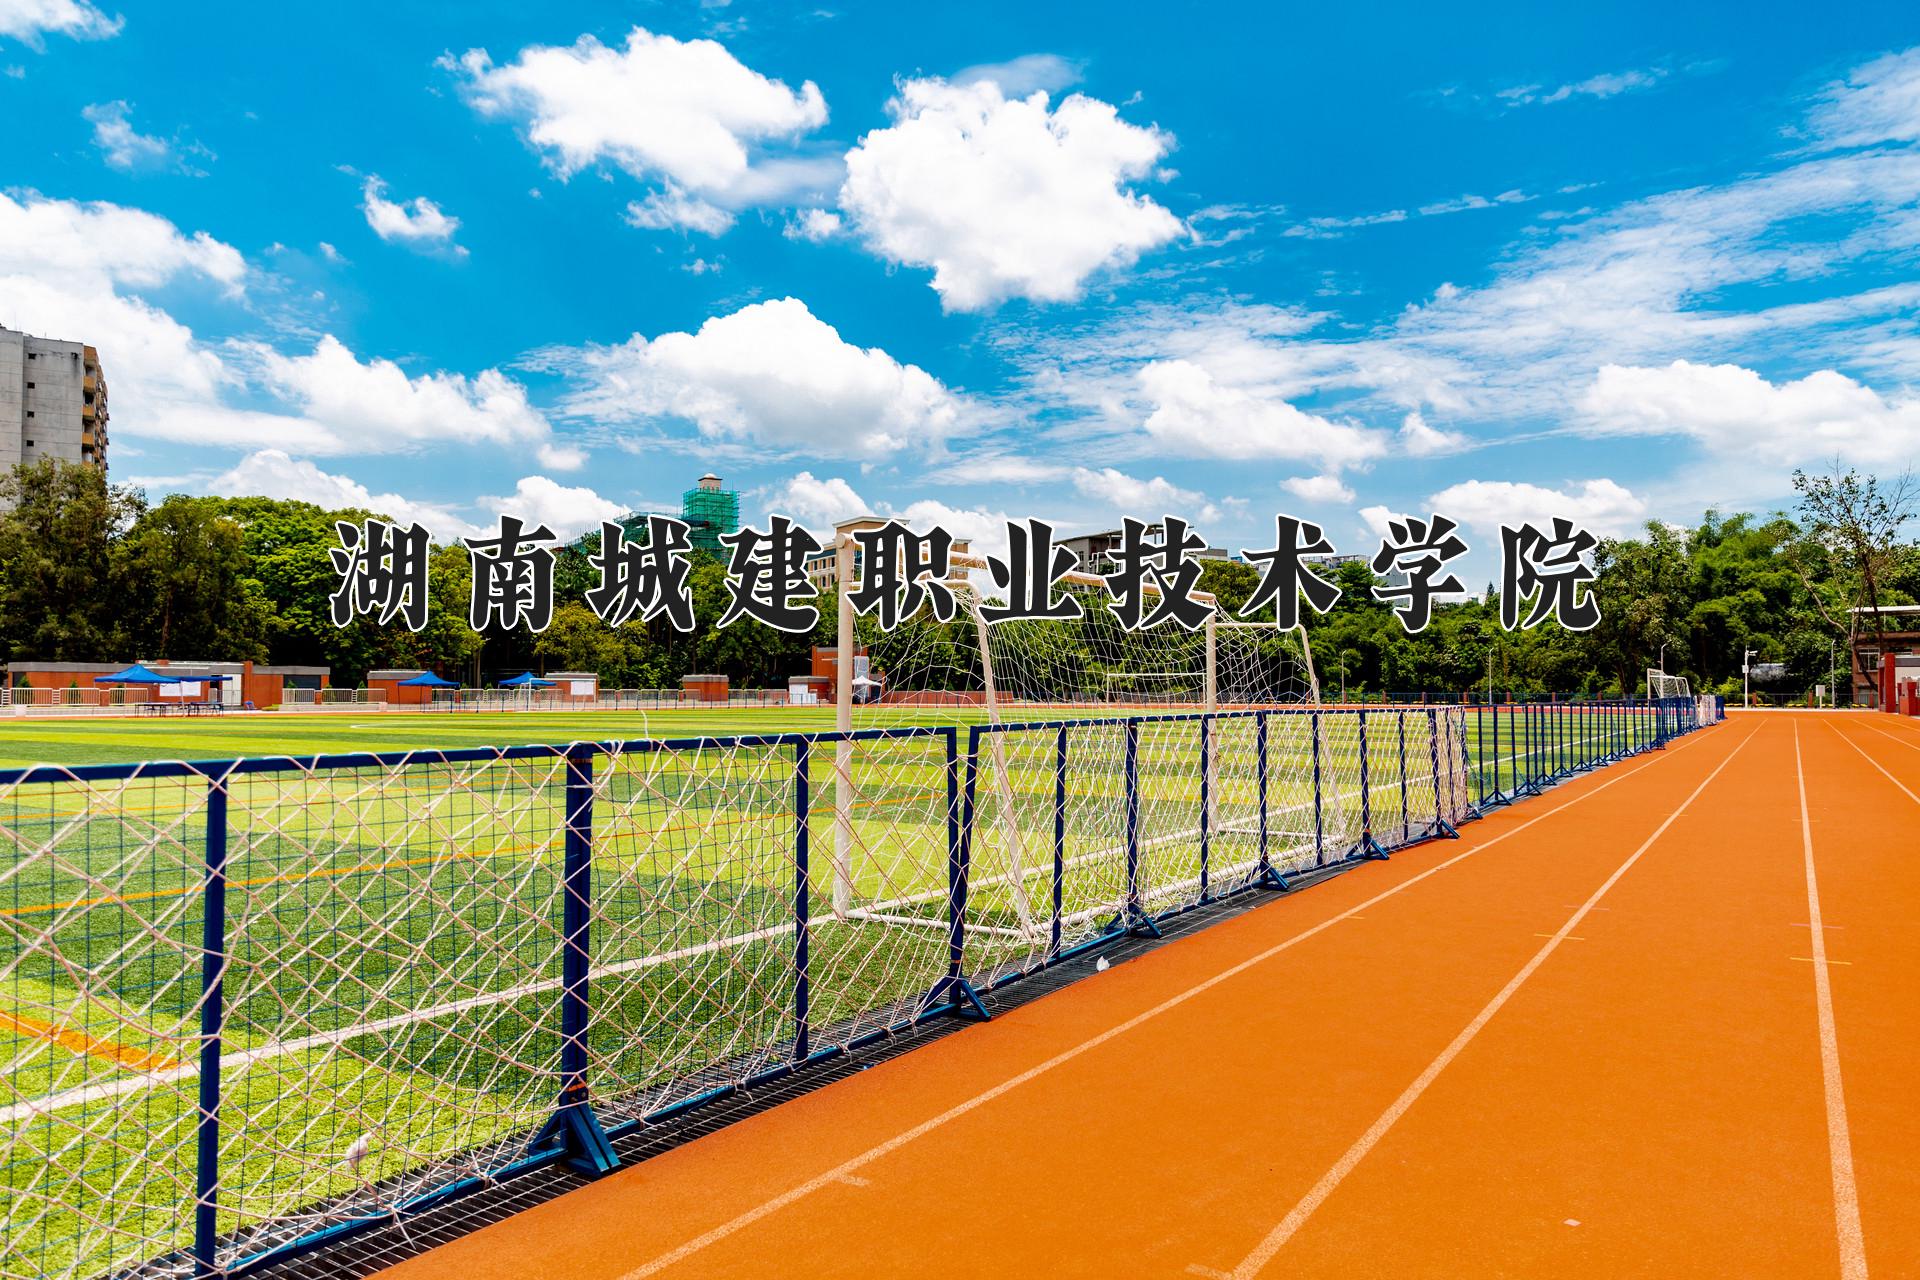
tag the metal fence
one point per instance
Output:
(250, 1007)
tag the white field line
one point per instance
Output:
(852, 1165)
(282, 1048)
(1875, 763)
(1271, 1244)
(1846, 1192)
(240, 1060)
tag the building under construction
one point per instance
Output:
(708, 510)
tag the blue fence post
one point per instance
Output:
(1319, 821)
(574, 1127)
(1490, 796)
(1441, 827)
(1059, 834)
(213, 964)
(802, 915)
(1134, 914)
(1406, 818)
(1206, 768)
(1368, 846)
(954, 990)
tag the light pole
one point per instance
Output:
(1746, 680)
(1663, 657)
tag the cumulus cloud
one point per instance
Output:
(376, 407)
(1005, 197)
(28, 20)
(1318, 488)
(567, 510)
(812, 224)
(820, 503)
(1879, 101)
(120, 144)
(771, 373)
(418, 222)
(1196, 415)
(272, 473)
(1419, 440)
(685, 114)
(1130, 495)
(1599, 506)
(1735, 412)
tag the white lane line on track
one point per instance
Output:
(1275, 1240)
(832, 1176)
(1846, 1194)
(1875, 763)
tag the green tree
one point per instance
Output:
(57, 597)
(186, 592)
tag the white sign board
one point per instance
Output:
(582, 688)
(189, 688)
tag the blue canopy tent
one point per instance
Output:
(431, 681)
(136, 674)
(526, 680)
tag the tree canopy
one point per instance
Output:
(90, 571)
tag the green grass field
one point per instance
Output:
(394, 933)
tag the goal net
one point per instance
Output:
(1075, 819)
(1661, 686)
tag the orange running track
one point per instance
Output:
(1663, 1021)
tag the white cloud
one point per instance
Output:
(1318, 488)
(537, 500)
(1599, 506)
(569, 512)
(1378, 518)
(1002, 197)
(812, 224)
(1328, 227)
(1877, 102)
(1419, 440)
(1196, 415)
(686, 114)
(771, 373)
(1736, 413)
(120, 144)
(1132, 496)
(816, 503)
(107, 244)
(675, 209)
(1028, 73)
(418, 222)
(1609, 84)
(999, 469)
(28, 20)
(375, 407)
(271, 473)
(820, 503)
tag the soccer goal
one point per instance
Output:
(1661, 686)
(1089, 741)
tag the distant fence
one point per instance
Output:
(251, 1007)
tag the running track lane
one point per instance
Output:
(1168, 1111)
(1866, 831)
(1651, 1102)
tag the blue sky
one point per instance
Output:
(1618, 262)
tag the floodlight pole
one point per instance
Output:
(1746, 678)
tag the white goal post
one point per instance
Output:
(969, 671)
(1661, 686)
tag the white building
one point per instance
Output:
(53, 402)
